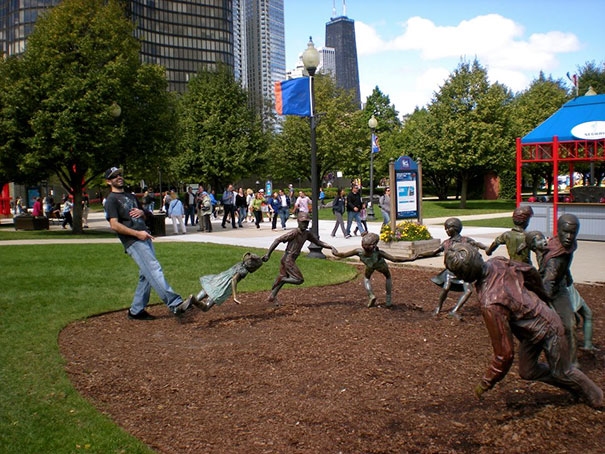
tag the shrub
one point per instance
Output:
(405, 231)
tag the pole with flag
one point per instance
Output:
(375, 143)
(574, 80)
(293, 97)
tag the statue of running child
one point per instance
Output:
(446, 279)
(515, 237)
(375, 260)
(219, 287)
(289, 273)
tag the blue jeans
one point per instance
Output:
(354, 215)
(150, 276)
(284, 213)
(190, 214)
(242, 213)
(386, 218)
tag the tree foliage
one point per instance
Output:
(467, 127)
(388, 131)
(220, 138)
(91, 104)
(529, 109)
(592, 75)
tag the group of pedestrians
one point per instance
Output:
(356, 210)
(247, 206)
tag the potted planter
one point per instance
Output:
(409, 248)
(29, 222)
(408, 239)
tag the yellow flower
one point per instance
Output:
(405, 231)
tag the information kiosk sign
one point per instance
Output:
(406, 180)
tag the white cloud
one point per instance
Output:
(406, 72)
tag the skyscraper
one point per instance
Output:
(260, 50)
(340, 35)
(17, 19)
(184, 36)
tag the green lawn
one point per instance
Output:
(45, 287)
(448, 208)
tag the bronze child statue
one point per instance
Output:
(375, 260)
(515, 237)
(445, 279)
(512, 300)
(289, 273)
(218, 287)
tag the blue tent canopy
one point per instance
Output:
(577, 111)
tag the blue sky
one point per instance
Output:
(408, 48)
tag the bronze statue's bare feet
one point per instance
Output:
(455, 315)
(273, 299)
(372, 302)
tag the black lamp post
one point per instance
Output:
(310, 58)
(372, 123)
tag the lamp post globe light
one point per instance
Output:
(310, 58)
(372, 123)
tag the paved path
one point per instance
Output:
(588, 265)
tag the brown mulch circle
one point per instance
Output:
(324, 374)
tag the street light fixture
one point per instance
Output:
(372, 123)
(310, 58)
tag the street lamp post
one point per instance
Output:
(310, 58)
(372, 123)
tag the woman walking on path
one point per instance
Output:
(338, 208)
(385, 206)
(176, 211)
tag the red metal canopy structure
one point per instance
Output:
(575, 133)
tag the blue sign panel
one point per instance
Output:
(406, 190)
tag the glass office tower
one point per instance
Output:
(182, 36)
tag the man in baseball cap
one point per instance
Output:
(113, 172)
(127, 218)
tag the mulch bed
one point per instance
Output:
(322, 373)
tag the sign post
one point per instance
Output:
(406, 190)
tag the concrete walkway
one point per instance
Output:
(587, 267)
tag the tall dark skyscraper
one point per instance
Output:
(340, 35)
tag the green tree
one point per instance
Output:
(15, 106)
(220, 138)
(340, 136)
(89, 96)
(418, 139)
(592, 75)
(530, 108)
(388, 131)
(470, 119)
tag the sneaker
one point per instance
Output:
(143, 315)
(183, 306)
(348, 236)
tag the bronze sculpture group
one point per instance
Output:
(535, 305)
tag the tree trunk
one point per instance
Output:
(76, 191)
(463, 189)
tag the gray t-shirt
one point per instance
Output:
(118, 206)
